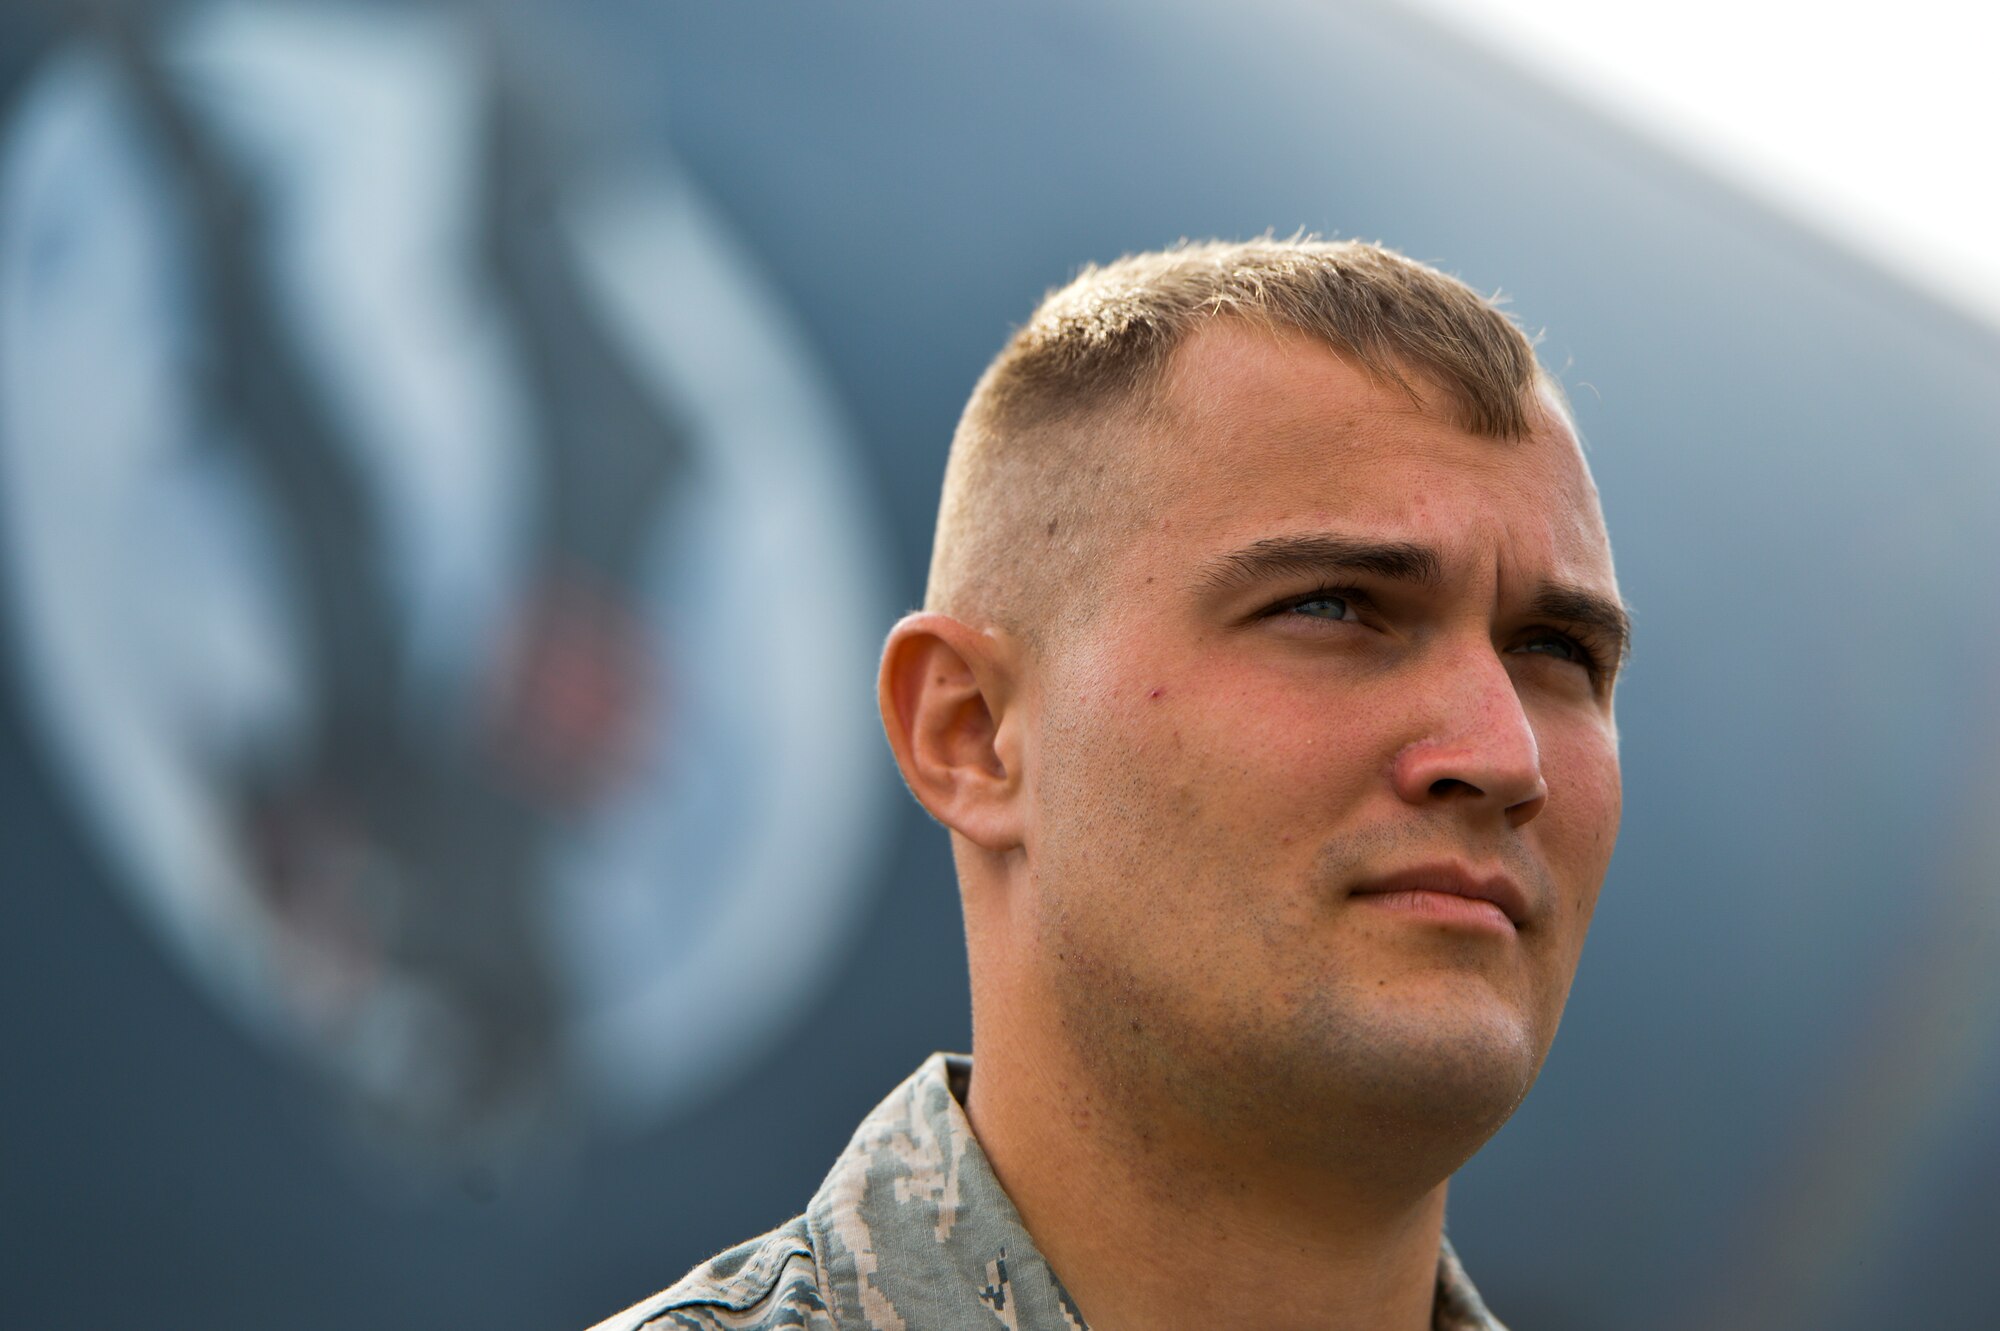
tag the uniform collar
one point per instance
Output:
(913, 1230)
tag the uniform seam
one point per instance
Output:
(817, 1241)
(718, 1301)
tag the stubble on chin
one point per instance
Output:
(1314, 1062)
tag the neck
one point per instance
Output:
(1151, 1222)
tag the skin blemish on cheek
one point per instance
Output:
(1156, 694)
(1052, 527)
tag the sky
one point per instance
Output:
(1874, 124)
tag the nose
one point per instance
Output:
(1477, 753)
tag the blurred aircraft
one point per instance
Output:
(457, 462)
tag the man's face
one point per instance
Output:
(1356, 665)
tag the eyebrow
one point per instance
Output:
(1291, 556)
(1322, 554)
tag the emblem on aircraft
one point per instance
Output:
(435, 562)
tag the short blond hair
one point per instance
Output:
(1028, 497)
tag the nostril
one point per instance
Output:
(1451, 785)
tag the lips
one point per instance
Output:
(1449, 880)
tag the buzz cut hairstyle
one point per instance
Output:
(1034, 484)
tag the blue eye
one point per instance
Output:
(1563, 648)
(1324, 606)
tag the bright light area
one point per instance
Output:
(1877, 123)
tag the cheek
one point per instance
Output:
(1192, 775)
(1579, 828)
(1270, 755)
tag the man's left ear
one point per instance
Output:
(945, 691)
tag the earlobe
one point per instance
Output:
(944, 690)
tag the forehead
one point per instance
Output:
(1261, 432)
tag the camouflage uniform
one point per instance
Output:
(911, 1232)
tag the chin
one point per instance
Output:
(1450, 1066)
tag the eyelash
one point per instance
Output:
(1356, 599)
(1587, 655)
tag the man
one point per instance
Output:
(1264, 683)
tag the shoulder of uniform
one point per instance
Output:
(770, 1281)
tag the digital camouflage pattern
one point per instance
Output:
(911, 1232)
